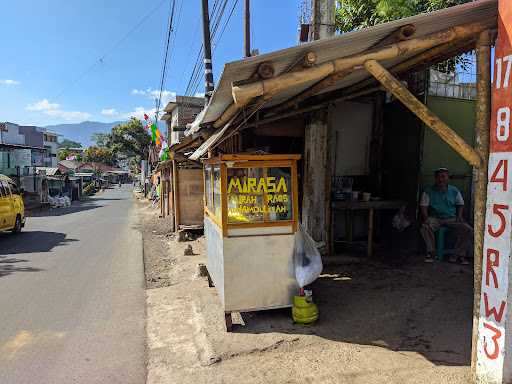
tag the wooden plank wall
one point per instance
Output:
(317, 175)
(190, 198)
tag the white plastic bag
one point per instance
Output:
(306, 258)
(400, 221)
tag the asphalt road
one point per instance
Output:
(72, 302)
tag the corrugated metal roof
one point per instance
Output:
(50, 171)
(338, 47)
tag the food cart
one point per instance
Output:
(251, 213)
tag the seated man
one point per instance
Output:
(442, 205)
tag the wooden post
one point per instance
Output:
(482, 122)
(494, 349)
(330, 166)
(247, 28)
(171, 201)
(369, 251)
(208, 74)
(316, 171)
(323, 19)
(422, 112)
(176, 196)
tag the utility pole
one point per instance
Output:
(208, 74)
(247, 30)
(323, 19)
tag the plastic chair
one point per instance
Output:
(440, 235)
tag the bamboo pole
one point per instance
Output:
(422, 112)
(482, 127)
(402, 33)
(421, 60)
(230, 111)
(243, 94)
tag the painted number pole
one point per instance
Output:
(494, 348)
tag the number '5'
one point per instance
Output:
(497, 210)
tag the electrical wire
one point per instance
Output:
(195, 77)
(101, 59)
(166, 54)
(226, 23)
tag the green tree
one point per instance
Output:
(130, 139)
(356, 14)
(102, 140)
(66, 143)
(99, 155)
(63, 154)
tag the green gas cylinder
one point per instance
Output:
(304, 311)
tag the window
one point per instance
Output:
(14, 189)
(217, 201)
(259, 195)
(208, 187)
(4, 187)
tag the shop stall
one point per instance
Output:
(251, 214)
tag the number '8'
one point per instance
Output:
(503, 124)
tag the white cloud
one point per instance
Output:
(42, 105)
(153, 94)
(54, 110)
(109, 112)
(9, 82)
(138, 92)
(139, 112)
(68, 115)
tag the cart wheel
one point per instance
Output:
(229, 321)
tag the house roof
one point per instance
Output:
(50, 171)
(83, 174)
(21, 146)
(69, 164)
(337, 47)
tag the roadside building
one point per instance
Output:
(180, 113)
(51, 146)
(68, 166)
(33, 136)
(367, 107)
(181, 179)
(21, 148)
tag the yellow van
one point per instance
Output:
(12, 209)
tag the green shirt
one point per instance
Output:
(442, 204)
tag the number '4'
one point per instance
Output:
(500, 174)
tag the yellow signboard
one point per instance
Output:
(258, 194)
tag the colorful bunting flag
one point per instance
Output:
(153, 132)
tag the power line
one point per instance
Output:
(195, 79)
(166, 54)
(101, 59)
(226, 23)
(198, 66)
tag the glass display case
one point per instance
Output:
(251, 213)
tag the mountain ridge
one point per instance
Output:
(82, 132)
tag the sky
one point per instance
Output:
(65, 61)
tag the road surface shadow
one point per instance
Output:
(77, 207)
(11, 265)
(98, 198)
(31, 242)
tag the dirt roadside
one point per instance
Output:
(364, 335)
